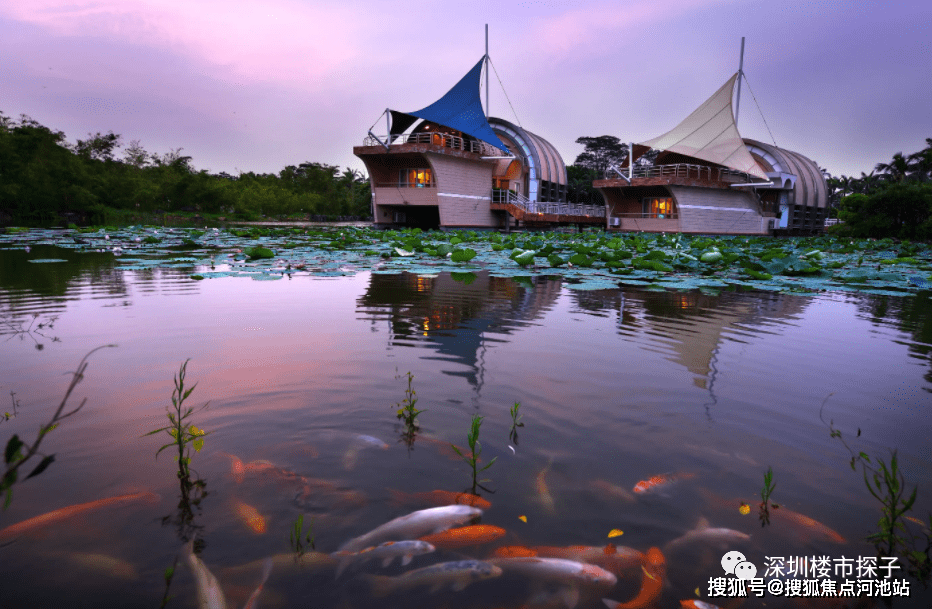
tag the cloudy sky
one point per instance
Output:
(260, 85)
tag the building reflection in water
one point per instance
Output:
(458, 315)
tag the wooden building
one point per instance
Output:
(708, 179)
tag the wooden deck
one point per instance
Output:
(543, 218)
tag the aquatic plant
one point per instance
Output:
(185, 436)
(888, 485)
(475, 449)
(406, 410)
(299, 538)
(765, 493)
(17, 453)
(515, 422)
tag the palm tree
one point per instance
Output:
(922, 161)
(899, 169)
(867, 183)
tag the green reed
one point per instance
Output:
(17, 452)
(299, 539)
(475, 449)
(184, 435)
(515, 418)
(406, 410)
(765, 493)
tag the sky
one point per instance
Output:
(257, 86)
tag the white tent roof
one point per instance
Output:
(710, 134)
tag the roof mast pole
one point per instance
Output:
(487, 70)
(740, 76)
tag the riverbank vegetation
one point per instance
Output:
(47, 181)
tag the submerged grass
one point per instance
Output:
(475, 449)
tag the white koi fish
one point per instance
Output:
(414, 525)
(457, 575)
(209, 593)
(571, 576)
(706, 534)
(386, 552)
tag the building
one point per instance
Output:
(449, 166)
(708, 179)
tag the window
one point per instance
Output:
(658, 207)
(414, 178)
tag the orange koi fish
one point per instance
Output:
(472, 535)
(655, 483)
(446, 448)
(249, 516)
(74, 510)
(543, 492)
(806, 526)
(237, 469)
(613, 490)
(655, 568)
(513, 552)
(441, 498)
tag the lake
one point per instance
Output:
(697, 393)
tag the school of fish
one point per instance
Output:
(439, 550)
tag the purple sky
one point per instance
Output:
(258, 86)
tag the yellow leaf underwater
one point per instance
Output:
(522, 518)
(745, 509)
(615, 533)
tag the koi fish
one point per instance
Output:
(414, 525)
(513, 552)
(254, 597)
(706, 534)
(308, 562)
(73, 510)
(694, 604)
(249, 516)
(387, 552)
(98, 564)
(655, 483)
(613, 490)
(209, 593)
(571, 576)
(543, 493)
(446, 448)
(360, 442)
(237, 469)
(806, 526)
(473, 535)
(610, 557)
(441, 498)
(457, 575)
(655, 568)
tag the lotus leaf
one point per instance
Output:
(463, 255)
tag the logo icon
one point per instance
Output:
(735, 563)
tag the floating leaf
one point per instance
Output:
(745, 509)
(463, 255)
(615, 533)
(522, 518)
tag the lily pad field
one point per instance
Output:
(345, 417)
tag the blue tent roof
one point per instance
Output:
(461, 109)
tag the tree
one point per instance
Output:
(136, 155)
(902, 210)
(98, 147)
(601, 153)
(897, 170)
(579, 185)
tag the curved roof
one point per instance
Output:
(460, 109)
(540, 155)
(710, 134)
(811, 188)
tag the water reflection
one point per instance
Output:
(456, 318)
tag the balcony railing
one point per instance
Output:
(534, 207)
(684, 170)
(437, 139)
(403, 185)
(642, 215)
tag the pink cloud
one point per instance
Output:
(279, 40)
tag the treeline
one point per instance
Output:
(893, 200)
(45, 180)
